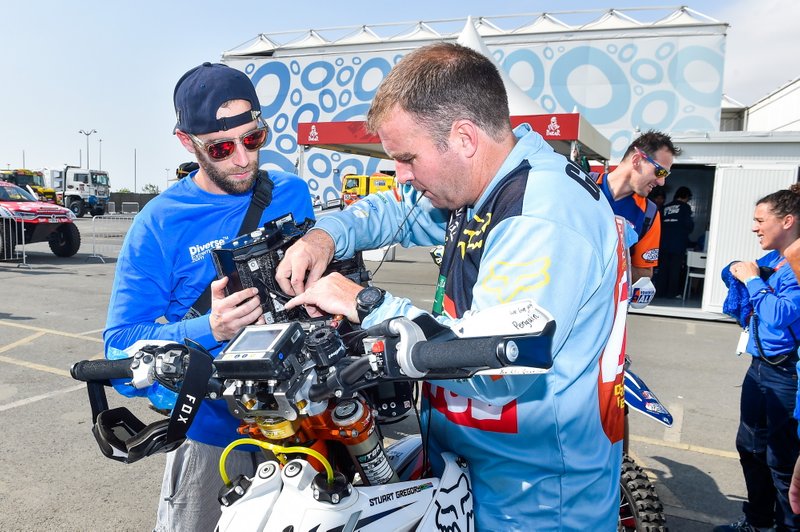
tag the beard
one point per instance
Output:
(221, 179)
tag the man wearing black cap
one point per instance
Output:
(165, 267)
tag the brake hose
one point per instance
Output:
(275, 449)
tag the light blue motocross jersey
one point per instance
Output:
(544, 450)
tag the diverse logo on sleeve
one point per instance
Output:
(580, 177)
(199, 251)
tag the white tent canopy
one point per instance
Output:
(667, 19)
(519, 103)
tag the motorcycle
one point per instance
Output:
(314, 395)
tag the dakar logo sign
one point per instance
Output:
(553, 129)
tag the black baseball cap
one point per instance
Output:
(202, 90)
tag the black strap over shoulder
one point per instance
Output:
(262, 197)
(649, 216)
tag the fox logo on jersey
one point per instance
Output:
(454, 509)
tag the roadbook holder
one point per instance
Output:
(251, 259)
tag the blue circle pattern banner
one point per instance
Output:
(619, 86)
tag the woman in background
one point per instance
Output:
(767, 439)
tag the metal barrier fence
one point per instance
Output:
(12, 241)
(130, 207)
(108, 232)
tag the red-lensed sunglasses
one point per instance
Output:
(221, 149)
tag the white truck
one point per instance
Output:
(81, 190)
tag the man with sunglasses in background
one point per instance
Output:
(165, 268)
(644, 166)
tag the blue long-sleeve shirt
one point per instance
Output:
(776, 302)
(165, 264)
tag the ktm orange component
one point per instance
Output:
(318, 429)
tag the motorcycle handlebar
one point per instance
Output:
(447, 359)
(101, 370)
(487, 352)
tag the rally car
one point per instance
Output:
(22, 216)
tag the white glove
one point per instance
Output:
(642, 293)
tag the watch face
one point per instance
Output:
(370, 296)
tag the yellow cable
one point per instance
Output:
(275, 449)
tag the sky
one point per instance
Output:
(111, 65)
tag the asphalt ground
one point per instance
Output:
(52, 313)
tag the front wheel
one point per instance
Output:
(65, 241)
(77, 208)
(640, 509)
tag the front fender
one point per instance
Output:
(639, 398)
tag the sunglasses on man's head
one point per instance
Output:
(661, 172)
(221, 149)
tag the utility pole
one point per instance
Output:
(87, 133)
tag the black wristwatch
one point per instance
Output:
(368, 300)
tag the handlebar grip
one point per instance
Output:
(480, 352)
(101, 370)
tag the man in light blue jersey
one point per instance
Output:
(518, 221)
